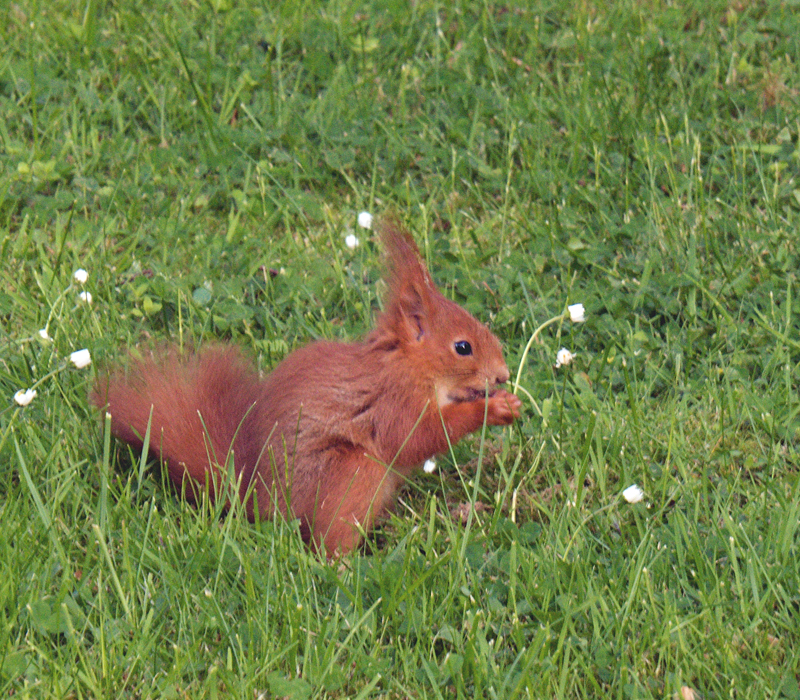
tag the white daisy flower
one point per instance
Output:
(44, 335)
(351, 241)
(429, 467)
(81, 358)
(365, 219)
(563, 357)
(24, 396)
(576, 313)
(80, 276)
(85, 297)
(633, 494)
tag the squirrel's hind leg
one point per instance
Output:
(359, 490)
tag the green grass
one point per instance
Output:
(640, 158)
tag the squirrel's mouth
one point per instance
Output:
(472, 395)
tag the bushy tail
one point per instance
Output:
(195, 407)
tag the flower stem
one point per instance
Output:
(560, 317)
(51, 373)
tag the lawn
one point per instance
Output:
(204, 163)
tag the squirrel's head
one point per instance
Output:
(445, 346)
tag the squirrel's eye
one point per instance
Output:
(463, 347)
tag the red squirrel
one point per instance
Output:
(332, 432)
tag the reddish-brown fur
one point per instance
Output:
(330, 434)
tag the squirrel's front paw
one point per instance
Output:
(504, 408)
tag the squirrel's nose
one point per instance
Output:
(502, 375)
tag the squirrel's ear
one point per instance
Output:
(411, 288)
(409, 311)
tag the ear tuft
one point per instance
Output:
(403, 258)
(409, 305)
